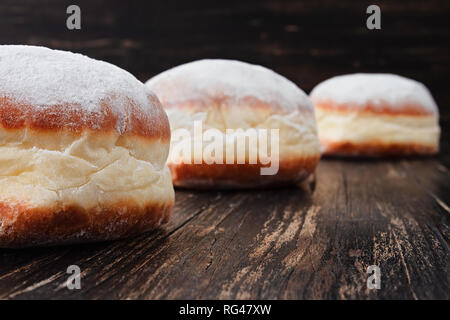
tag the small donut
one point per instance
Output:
(375, 115)
(231, 96)
(83, 146)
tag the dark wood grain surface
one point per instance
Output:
(312, 242)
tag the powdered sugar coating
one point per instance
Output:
(361, 89)
(212, 78)
(42, 78)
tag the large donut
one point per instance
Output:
(375, 115)
(226, 94)
(83, 146)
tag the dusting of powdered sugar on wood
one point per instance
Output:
(359, 89)
(212, 78)
(42, 78)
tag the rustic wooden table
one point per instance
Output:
(312, 242)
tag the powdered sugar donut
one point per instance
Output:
(83, 146)
(376, 114)
(227, 95)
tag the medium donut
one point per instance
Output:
(83, 146)
(376, 115)
(232, 95)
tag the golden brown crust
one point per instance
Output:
(375, 149)
(410, 109)
(25, 226)
(229, 176)
(20, 115)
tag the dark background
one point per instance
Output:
(306, 41)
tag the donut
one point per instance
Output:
(83, 146)
(234, 99)
(375, 115)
